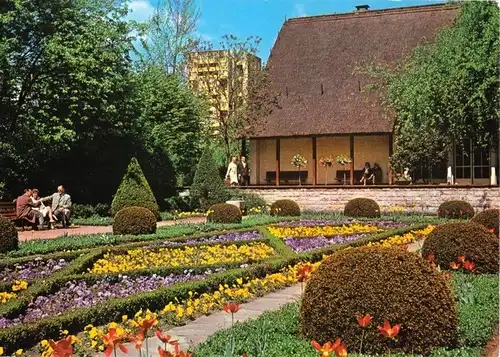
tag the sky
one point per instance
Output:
(262, 18)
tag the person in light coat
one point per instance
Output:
(61, 205)
(232, 172)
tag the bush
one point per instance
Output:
(224, 213)
(455, 209)
(285, 208)
(448, 241)
(134, 191)
(102, 209)
(82, 211)
(362, 207)
(488, 218)
(9, 239)
(134, 220)
(208, 188)
(389, 284)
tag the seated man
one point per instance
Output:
(25, 211)
(367, 174)
(61, 205)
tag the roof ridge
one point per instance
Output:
(377, 12)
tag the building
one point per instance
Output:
(323, 109)
(221, 76)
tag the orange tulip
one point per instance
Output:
(403, 247)
(303, 272)
(469, 266)
(364, 321)
(492, 230)
(327, 349)
(146, 324)
(232, 307)
(165, 338)
(62, 348)
(461, 258)
(138, 339)
(341, 350)
(163, 353)
(455, 266)
(112, 341)
(431, 258)
(388, 331)
(447, 275)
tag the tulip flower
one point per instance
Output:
(138, 339)
(461, 258)
(232, 308)
(341, 350)
(165, 338)
(388, 331)
(164, 353)
(455, 266)
(363, 321)
(61, 348)
(327, 349)
(114, 340)
(469, 266)
(146, 324)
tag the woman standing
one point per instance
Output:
(232, 172)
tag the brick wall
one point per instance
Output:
(426, 199)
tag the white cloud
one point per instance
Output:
(140, 10)
(300, 10)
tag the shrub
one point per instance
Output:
(362, 207)
(488, 218)
(455, 209)
(285, 208)
(389, 284)
(252, 201)
(448, 241)
(224, 213)
(102, 209)
(208, 188)
(82, 211)
(134, 191)
(9, 239)
(134, 220)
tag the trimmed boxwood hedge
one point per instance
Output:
(224, 213)
(489, 218)
(9, 239)
(26, 335)
(456, 209)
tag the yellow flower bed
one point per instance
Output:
(354, 228)
(4, 297)
(407, 238)
(18, 285)
(178, 257)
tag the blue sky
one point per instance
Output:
(262, 18)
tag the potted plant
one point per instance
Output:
(343, 160)
(403, 178)
(299, 162)
(326, 162)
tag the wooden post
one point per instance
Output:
(315, 168)
(389, 168)
(278, 162)
(351, 154)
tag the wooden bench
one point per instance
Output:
(286, 177)
(8, 211)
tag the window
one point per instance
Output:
(471, 162)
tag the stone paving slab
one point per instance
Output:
(84, 230)
(197, 331)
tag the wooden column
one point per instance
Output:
(471, 148)
(391, 151)
(278, 162)
(315, 167)
(256, 165)
(351, 154)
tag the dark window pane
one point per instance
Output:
(458, 156)
(477, 157)
(466, 159)
(466, 172)
(485, 172)
(459, 173)
(478, 172)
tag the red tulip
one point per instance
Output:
(62, 348)
(455, 266)
(469, 266)
(163, 353)
(492, 230)
(304, 272)
(364, 321)
(431, 258)
(112, 341)
(461, 258)
(327, 348)
(341, 350)
(164, 338)
(388, 331)
(146, 324)
(232, 307)
(138, 339)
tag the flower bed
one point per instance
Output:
(32, 270)
(141, 258)
(403, 239)
(299, 244)
(220, 238)
(313, 231)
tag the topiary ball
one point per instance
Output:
(389, 284)
(9, 239)
(134, 220)
(455, 209)
(488, 218)
(448, 241)
(362, 207)
(285, 208)
(224, 213)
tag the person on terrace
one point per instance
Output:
(61, 205)
(367, 174)
(232, 172)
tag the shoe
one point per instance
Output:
(51, 225)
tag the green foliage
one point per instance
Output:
(283, 208)
(8, 236)
(455, 209)
(135, 221)
(362, 207)
(489, 218)
(375, 280)
(477, 297)
(224, 213)
(208, 188)
(87, 211)
(134, 190)
(251, 199)
(448, 241)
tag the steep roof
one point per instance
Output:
(313, 61)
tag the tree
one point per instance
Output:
(134, 191)
(446, 90)
(171, 35)
(236, 88)
(208, 188)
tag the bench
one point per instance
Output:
(286, 177)
(8, 211)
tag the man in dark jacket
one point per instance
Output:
(243, 171)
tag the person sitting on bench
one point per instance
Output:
(40, 207)
(61, 205)
(367, 174)
(25, 211)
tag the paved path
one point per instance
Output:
(197, 331)
(83, 230)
